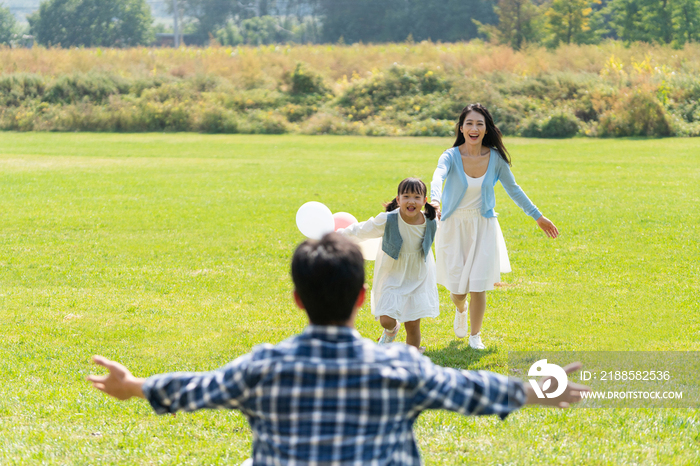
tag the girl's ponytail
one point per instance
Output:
(389, 206)
(430, 212)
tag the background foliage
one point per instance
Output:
(516, 23)
(92, 23)
(406, 89)
(396, 20)
(8, 25)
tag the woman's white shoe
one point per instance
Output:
(475, 341)
(460, 324)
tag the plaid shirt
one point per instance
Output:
(328, 396)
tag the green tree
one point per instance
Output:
(519, 22)
(92, 23)
(205, 17)
(360, 20)
(447, 20)
(686, 19)
(261, 30)
(569, 21)
(626, 20)
(662, 21)
(395, 20)
(228, 19)
(657, 20)
(8, 25)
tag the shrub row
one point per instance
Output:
(396, 101)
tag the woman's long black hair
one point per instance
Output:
(413, 186)
(493, 137)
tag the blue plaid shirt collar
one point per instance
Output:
(331, 333)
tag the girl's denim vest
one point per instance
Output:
(392, 241)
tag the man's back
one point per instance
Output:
(330, 396)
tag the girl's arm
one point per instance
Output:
(521, 200)
(372, 228)
(443, 168)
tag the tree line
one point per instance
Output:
(517, 23)
(553, 22)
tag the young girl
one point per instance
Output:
(470, 249)
(404, 289)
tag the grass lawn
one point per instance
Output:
(171, 252)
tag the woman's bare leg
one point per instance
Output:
(460, 301)
(460, 323)
(477, 309)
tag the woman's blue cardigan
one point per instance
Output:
(450, 171)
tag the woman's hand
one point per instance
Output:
(436, 205)
(548, 227)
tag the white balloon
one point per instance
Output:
(315, 220)
(370, 247)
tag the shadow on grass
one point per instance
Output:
(460, 355)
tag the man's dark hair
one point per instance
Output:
(328, 276)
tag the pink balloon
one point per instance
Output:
(343, 220)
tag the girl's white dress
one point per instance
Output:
(470, 249)
(404, 289)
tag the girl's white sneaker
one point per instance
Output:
(475, 341)
(460, 324)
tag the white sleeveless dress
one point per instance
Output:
(470, 249)
(404, 289)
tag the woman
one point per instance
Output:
(470, 249)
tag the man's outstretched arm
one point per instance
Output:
(572, 393)
(119, 383)
(471, 393)
(177, 391)
(483, 392)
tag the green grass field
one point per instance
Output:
(171, 252)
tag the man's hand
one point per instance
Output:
(436, 205)
(119, 383)
(572, 394)
(547, 226)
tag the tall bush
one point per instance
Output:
(557, 125)
(16, 89)
(637, 114)
(650, 91)
(84, 87)
(304, 82)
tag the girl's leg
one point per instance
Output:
(413, 333)
(388, 323)
(391, 329)
(477, 308)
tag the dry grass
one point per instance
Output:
(257, 66)
(605, 90)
